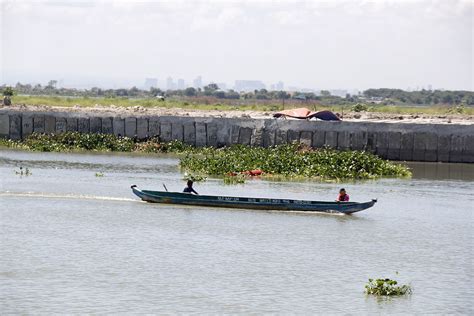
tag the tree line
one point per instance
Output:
(423, 96)
(383, 96)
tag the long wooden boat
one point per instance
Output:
(251, 203)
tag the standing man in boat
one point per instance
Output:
(343, 196)
(189, 188)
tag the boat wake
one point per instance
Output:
(64, 196)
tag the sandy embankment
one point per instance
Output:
(142, 111)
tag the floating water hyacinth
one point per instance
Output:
(386, 287)
(23, 172)
(238, 179)
(193, 177)
(292, 160)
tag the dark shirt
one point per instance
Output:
(189, 190)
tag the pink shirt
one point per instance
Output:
(345, 199)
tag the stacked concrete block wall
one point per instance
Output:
(395, 141)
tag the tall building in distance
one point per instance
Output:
(197, 82)
(222, 85)
(150, 83)
(248, 85)
(338, 92)
(293, 88)
(279, 86)
(170, 84)
(181, 84)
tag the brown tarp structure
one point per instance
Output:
(304, 113)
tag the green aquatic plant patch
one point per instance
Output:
(193, 177)
(71, 141)
(237, 179)
(284, 160)
(75, 141)
(25, 172)
(386, 287)
(292, 160)
(155, 146)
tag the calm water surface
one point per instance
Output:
(72, 242)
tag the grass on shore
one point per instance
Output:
(283, 160)
(58, 101)
(131, 102)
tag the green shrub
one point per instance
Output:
(360, 107)
(8, 91)
(458, 109)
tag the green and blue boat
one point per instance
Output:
(272, 204)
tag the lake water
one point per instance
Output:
(72, 242)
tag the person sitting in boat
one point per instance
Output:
(189, 188)
(343, 196)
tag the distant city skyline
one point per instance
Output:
(170, 83)
(309, 45)
(239, 85)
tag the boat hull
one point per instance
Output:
(251, 203)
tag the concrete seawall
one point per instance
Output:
(394, 141)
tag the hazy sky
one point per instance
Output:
(310, 44)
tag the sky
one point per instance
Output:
(354, 44)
